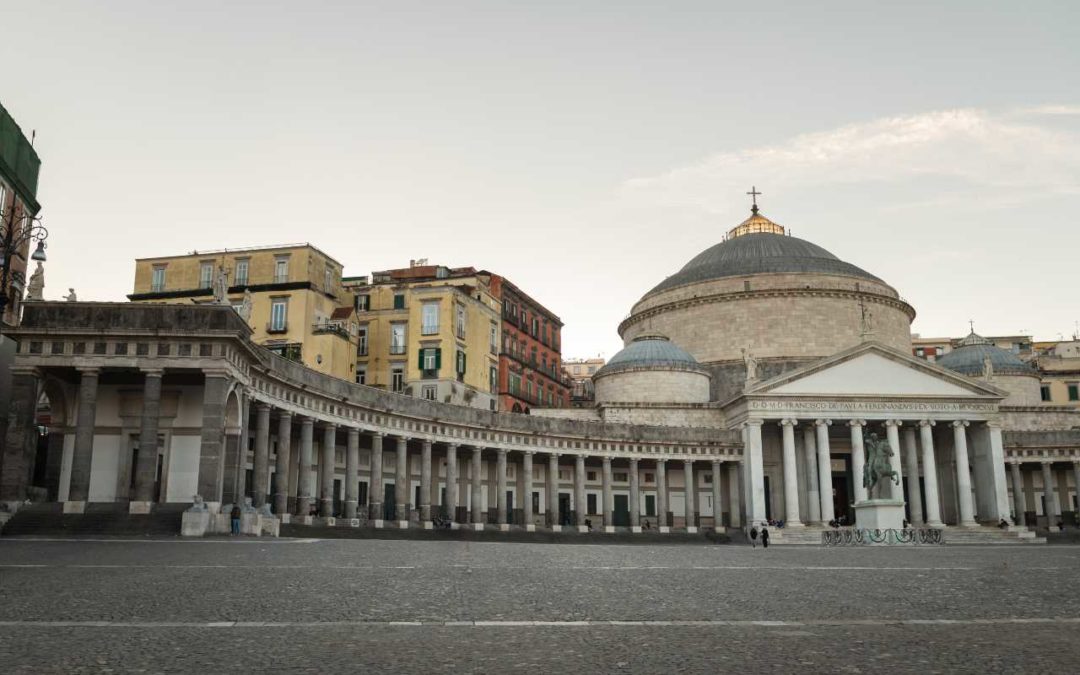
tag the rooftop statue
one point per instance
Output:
(36, 286)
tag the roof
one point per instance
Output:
(760, 253)
(650, 351)
(970, 354)
(342, 313)
(210, 253)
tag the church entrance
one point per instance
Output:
(564, 509)
(622, 511)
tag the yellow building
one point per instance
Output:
(430, 332)
(1059, 369)
(291, 296)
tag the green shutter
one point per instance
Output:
(420, 363)
(438, 358)
(463, 362)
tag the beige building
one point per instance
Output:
(428, 331)
(1059, 368)
(291, 297)
(580, 373)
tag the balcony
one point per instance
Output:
(429, 374)
(397, 349)
(330, 329)
(429, 329)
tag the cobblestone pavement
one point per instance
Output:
(408, 606)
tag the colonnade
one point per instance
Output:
(1053, 485)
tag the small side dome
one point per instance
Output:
(650, 350)
(969, 358)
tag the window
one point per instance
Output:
(590, 475)
(648, 478)
(1074, 392)
(429, 316)
(460, 362)
(493, 338)
(328, 279)
(206, 275)
(430, 392)
(397, 338)
(397, 378)
(241, 276)
(279, 313)
(528, 389)
(361, 374)
(515, 384)
(281, 270)
(157, 283)
(1045, 391)
(363, 302)
(620, 477)
(430, 359)
(361, 348)
(399, 301)
(535, 326)
(459, 321)
(493, 379)
(590, 501)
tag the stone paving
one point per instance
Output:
(412, 606)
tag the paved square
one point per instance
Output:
(406, 606)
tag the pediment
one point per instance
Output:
(875, 370)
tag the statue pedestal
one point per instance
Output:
(879, 514)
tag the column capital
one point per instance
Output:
(261, 406)
(961, 423)
(502, 451)
(451, 447)
(152, 372)
(634, 461)
(329, 425)
(994, 424)
(530, 453)
(856, 423)
(754, 422)
(380, 434)
(789, 422)
(606, 460)
(661, 460)
(1046, 460)
(823, 422)
(88, 370)
(426, 441)
(553, 456)
(1076, 462)
(353, 431)
(927, 423)
(307, 421)
(894, 423)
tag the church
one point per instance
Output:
(751, 385)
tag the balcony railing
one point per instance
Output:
(277, 327)
(397, 349)
(330, 328)
(429, 329)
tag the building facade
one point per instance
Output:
(428, 331)
(690, 429)
(580, 372)
(290, 295)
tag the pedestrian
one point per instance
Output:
(753, 536)
(235, 515)
(764, 537)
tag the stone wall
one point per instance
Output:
(1040, 417)
(1023, 390)
(644, 385)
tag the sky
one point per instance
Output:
(586, 151)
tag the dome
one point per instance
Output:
(970, 355)
(650, 351)
(757, 247)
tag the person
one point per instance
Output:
(764, 537)
(235, 519)
(753, 536)
(1003, 524)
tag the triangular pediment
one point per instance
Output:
(872, 369)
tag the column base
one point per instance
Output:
(504, 527)
(937, 525)
(974, 524)
(403, 524)
(427, 525)
(636, 529)
(478, 527)
(691, 530)
(351, 522)
(328, 521)
(455, 526)
(530, 528)
(556, 528)
(609, 529)
(664, 529)
(582, 528)
(74, 507)
(139, 508)
(379, 524)
(1051, 528)
(304, 520)
(796, 524)
(285, 518)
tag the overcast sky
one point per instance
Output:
(585, 150)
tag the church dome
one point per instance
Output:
(970, 356)
(650, 351)
(754, 248)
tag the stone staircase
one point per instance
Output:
(953, 536)
(108, 519)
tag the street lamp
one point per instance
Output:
(31, 230)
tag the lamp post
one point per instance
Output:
(32, 230)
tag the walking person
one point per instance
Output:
(753, 536)
(235, 515)
(764, 537)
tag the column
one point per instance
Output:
(858, 459)
(661, 495)
(146, 461)
(553, 493)
(579, 491)
(929, 465)
(892, 434)
(451, 484)
(1018, 492)
(500, 487)
(754, 483)
(376, 510)
(813, 495)
(733, 494)
(608, 507)
(526, 498)
(1051, 502)
(425, 484)
(1076, 481)
(326, 468)
(477, 491)
(83, 455)
(18, 442)
(281, 465)
(690, 490)
(718, 520)
(911, 472)
(824, 470)
(791, 474)
(401, 479)
(352, 471)
(261, 464)
(963, 474)
(304, 486)
(635, 497)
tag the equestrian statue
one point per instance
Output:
(878, 466)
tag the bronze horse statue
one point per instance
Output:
(878, 466)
